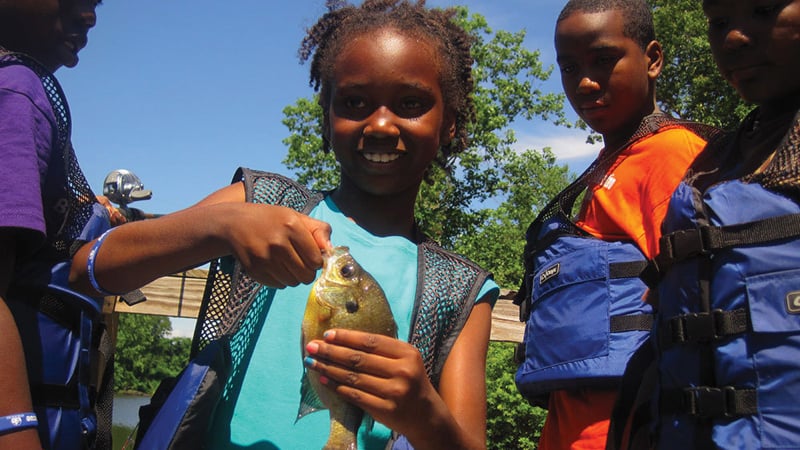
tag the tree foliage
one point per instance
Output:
(511, 423)
(690, 85)
(530, 179)
(146, 354)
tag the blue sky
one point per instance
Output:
(182, 92)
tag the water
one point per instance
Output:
(126, 409)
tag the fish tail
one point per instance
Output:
(341, 438)
(344, 432)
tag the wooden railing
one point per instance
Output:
(179, 295)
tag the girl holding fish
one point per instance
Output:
(394, 81)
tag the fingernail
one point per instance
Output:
(309, 361)
(328, 334)
(323, 379)
(312, 348)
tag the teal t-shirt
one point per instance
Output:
(263, 416)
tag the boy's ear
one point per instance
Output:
(655, 56)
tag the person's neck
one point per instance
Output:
(779, 107)
(613, 142)
(381, 215)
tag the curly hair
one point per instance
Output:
(637, 14)
(343, 21)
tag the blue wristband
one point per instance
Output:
(18, 422)
(90, 265)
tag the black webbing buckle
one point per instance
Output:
(685, 244)
(707, 402)
(703, 327)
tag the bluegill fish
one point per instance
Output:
(344, 296)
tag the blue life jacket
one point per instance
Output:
(582, 298)
(62, 331)
(728, 328)
(722, 367)
(586, 314)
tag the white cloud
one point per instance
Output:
(566, 144)
(182, 327)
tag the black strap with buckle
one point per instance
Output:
(707, 402)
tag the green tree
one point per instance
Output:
(146, 354)
(531, 178)
(690, 85)
(511, 423)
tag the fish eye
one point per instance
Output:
(351, 305)
(347, 270)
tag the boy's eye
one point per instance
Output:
(606, 60)
(567, 69)
(717, 22)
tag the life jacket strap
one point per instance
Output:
(56, 396)
(703, 327)
(707, 402)
(631, 322)
(684, 244)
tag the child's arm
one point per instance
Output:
(277, 246)
(390, 383)
(15, 398)
(463, 382)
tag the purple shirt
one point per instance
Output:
(27, 125)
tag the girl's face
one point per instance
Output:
(386, 117)
(756, 44)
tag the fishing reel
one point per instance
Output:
(124, 187)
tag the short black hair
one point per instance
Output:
(637, 14)
(343, 21)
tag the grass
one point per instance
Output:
(119, 434)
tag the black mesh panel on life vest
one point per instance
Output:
(783, 172)
(234, 305)
(442, 308)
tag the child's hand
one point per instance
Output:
(381, 375)
(114, 216)
(277, 246)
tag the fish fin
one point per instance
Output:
(309, 400)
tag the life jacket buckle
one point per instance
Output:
(710, 402)
(686, 244)
(703, 327)
(693, 327)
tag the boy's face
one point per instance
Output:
(756, 45)
(386, 117)
(51, 31)
(606, 75)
